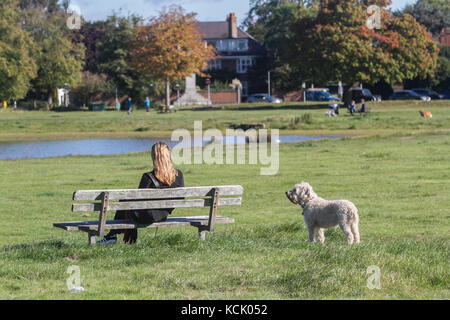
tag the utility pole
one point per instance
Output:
(208, 83)
(304, 91)
(268, 83)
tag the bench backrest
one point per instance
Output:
(138, 199)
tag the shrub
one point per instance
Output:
(307, 118)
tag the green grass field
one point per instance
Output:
(397, 174)
(290, 118)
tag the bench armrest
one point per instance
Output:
(213, 210)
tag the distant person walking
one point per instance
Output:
(129, 106)
(15, 104)
(5, 105)
(363, 107)
(352, 107)
(147, 104)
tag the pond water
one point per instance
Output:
(48, 149)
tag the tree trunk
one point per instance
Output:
(348, 97)
(50, 97)
(167, 93)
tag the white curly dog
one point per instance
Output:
(320, 214)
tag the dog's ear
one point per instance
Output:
(308, 191)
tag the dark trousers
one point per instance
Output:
(144, 217)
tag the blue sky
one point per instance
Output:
(207, 10)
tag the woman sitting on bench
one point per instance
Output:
(163, 176)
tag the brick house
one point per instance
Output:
(445, 37)
(237, 49)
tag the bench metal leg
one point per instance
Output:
(91, 238)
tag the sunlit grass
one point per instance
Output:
(400, 184)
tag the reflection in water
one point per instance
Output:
(47, 149)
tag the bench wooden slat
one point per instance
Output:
(155, 204)
(126, 224)
(137, 194)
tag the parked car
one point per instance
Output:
(263, 97)
(427, 92)
(408, 95)
(446, 94)
(320, 95)
(358, 94)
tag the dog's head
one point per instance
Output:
(301, 193)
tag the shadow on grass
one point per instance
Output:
(44, 244)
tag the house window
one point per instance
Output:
(243, 63)
(233, 45)
(215, 65)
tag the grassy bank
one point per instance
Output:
(290, 118)
(400, 184)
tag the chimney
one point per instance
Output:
(232, 26)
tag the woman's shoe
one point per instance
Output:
(107, 240)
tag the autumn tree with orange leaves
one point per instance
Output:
(338, 44)
(170, 47)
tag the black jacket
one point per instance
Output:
(155, 215)
(147, 183)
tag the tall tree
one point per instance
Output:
(269, 21)
(114, 53)
(17, 66)
(91, 34)
(441, 80)
(170, 47)
(51, 6)
(339, 45)
(60, 58)
(433, 14)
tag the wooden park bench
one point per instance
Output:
(104, 201)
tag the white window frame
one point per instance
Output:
(215, 64)
(230, 45)
(243, 63)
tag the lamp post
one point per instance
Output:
(152, 90)
(268, 83)
(208, 83)
(340, 90)
(304, 91)
(177, 87)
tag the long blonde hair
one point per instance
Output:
(162, 164)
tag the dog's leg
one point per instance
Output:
(347, 232)
(321, 235)
(355, 230)
(311, 233)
